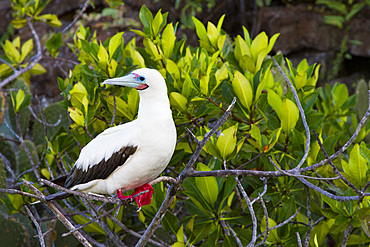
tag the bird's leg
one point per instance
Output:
(141, 200)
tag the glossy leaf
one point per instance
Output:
(226, 142)
(289, 115)
(243, 89)
(207, 186)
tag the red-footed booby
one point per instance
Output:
(128, 156)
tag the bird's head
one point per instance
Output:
(142, 79)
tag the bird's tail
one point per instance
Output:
(57, 196)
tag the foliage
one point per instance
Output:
(265, 124)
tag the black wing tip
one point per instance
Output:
(57, 196)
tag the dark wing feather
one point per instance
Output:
(102, 170)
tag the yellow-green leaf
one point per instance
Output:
(243, 89)
(357, 164)
(114, 43)
(112, 67)
(274, 101)
(256, 134)
(178, 101)
(300, 79)
(122, 108)
(168, 40)
(11, 52)
(212, 34)
(77, 116)
(103, 56)
(37, 69)
(273, 236)
(26, 48)
(258, 44)
(289, 115)
(226, 142)
(207, 186)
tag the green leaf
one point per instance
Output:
(357, 164)
(146, 18)
(289, 115)
(168, 40)
(114, 43)
(256, 135)
(178, 101)
(273, 236)
(50, 19)
(37, 69)
(207, 186)
(300, 79)
(93, 227)
(201, 31)
(122, 108)
(54, 43)
(243, 89)
(274, 101)
(258, 44)
(26, 48)
(157, 22)
(11, 51)
(77, 116)
(226, 142)
(340, 95)
(103, 56)
(170, 222)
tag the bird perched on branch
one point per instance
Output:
(130, 155)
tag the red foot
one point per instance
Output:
(141, 200)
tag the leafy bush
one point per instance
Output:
(262, 178)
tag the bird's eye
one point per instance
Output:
(141, 78)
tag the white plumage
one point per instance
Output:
(143, 146)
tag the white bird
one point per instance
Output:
(129, 155)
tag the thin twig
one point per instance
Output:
(251, 211)
(309, 219)
(347, 232)
(265, 212)
(91, 221)
(44, 122)
(86, 4)
(58, 214)
(114, 109)
(299, 239)
(37, 225)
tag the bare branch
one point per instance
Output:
(299, 239)
(308, 234)
(347, 232)
(77, 17)
(44, 122)
(14, 191)
(251, 211)
(37, 225)
(58, 214)
(162, 179)
(114, 109)
(81, 194)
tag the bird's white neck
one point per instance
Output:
(151, 108)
